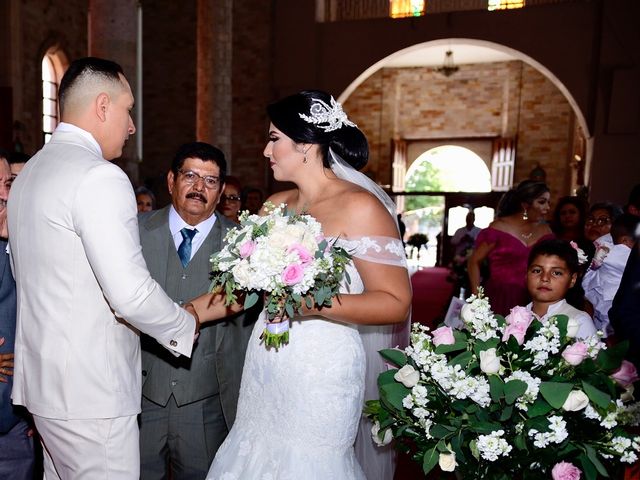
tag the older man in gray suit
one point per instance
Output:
(189, 405)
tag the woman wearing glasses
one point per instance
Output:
(598, 223)
(229, 204)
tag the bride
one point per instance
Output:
(300, 407)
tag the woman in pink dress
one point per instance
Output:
(505, 244)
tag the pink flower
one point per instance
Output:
(443, 336)
(519, 315)
(517, 330)
(293, 274)
(247, 248)
(626, 375)
(303, 254)
(575, 354)
(565, 471)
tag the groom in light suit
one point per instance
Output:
(84, 292)
(188, 405)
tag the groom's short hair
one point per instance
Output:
(86, 77)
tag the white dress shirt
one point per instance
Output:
(586, 327)
(176, 223)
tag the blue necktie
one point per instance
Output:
(184, 250)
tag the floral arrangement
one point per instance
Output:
(509, 398)
(286, 257)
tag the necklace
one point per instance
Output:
(526, 236)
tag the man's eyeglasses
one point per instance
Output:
(230, 198)
(190, 177)
(598, 221)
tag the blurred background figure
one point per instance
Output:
(17, 161)
(145, 199)
(599, 220)
(230, 202)
(568, 219)
(252, 199)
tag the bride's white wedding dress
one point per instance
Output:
(300, 406)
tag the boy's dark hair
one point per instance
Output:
(559, 248)
(624, 225)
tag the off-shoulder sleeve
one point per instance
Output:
(377, 249)
(486, 235)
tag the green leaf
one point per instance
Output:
(520, 442)
(289, 310)
(484, 427)
(394, 393)
(506, 413)
(439, 431)
(591, 453)
(588, 468)
(555, 393)
(430, 459)
(596, 396)
(497, 387)
(538, 408)
(610, 359)
(395, 356)
(513, 390)
(563, 321)
(250, 300)
(461, 359)
(386, 377)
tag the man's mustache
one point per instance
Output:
(197, 196)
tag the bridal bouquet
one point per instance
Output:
(286, 258)
(509, 398)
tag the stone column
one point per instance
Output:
(112, 35)
(214, 54)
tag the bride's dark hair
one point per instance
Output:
(347, 141)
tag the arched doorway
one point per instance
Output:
(430, 181)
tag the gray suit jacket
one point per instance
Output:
(216, 363)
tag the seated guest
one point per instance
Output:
(145, 199)
(229, 205)
(598, 223)
(552, 270)
(601, 282)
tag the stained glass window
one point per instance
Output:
(49, 98)
(504, 4)
(406, 8)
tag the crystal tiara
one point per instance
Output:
(327, 117)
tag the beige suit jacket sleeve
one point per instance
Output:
(105, 218)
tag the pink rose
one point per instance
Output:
(293, 274)
(517, 330)
(565, 471)
(302, 252)
(443, 336)
(247, 248)
(519, 315)
(626, 375)
(575, 354)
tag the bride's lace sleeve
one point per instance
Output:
(377, 249)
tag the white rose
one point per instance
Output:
(375, 434)
(576, 401)
(489, 361)
(466, 313)
(627, 396)
(242, 273)
(447, 462)
(572, 328)
(408, 376)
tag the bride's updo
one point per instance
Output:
(314, 117)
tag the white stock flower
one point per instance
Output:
(447, 462)
(375, 434)
(489, 361)
(466, 313)
(576, 401)
(492, 446)
(408, 376)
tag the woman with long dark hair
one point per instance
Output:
(505, 244)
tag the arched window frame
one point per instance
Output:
(54, 64)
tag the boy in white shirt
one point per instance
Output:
(552, 270)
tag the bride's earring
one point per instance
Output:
(304, 153)
(525, 216)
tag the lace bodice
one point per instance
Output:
(376, 249)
